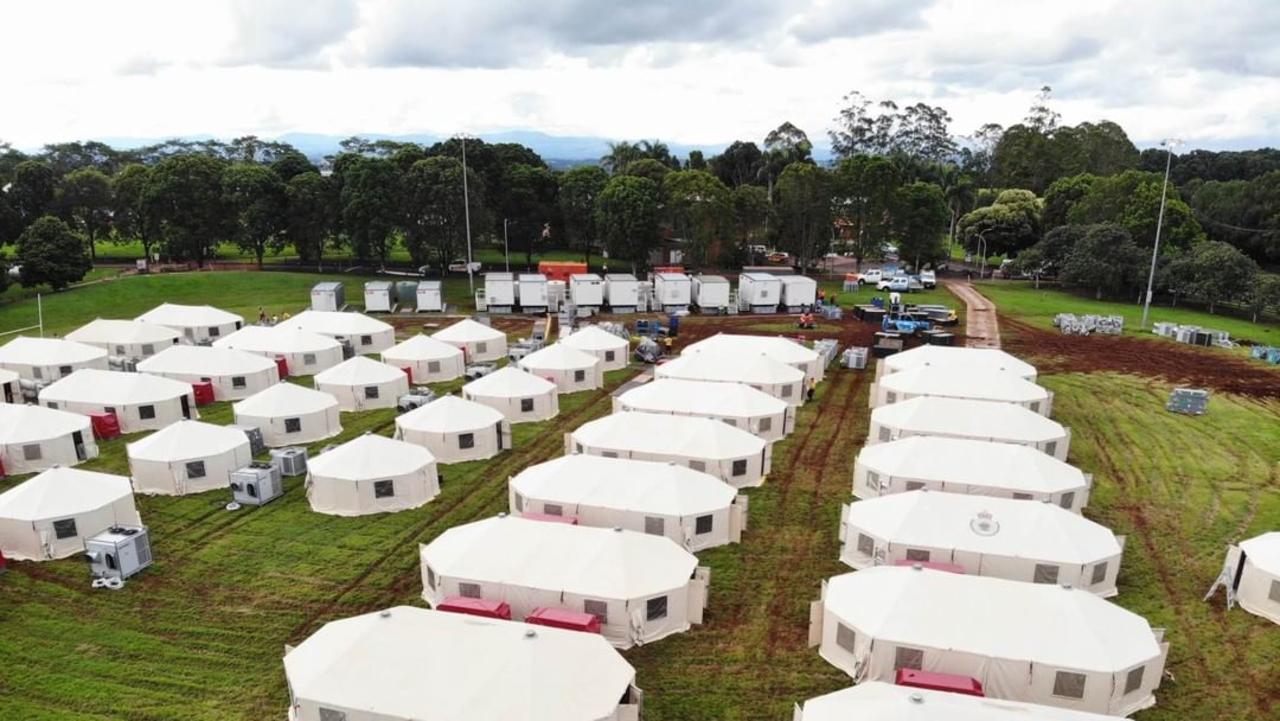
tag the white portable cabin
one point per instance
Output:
(974, 420)
(612, 350)
(420, 665)
(710, 293)
(572, 370)
(621, 292)
(379, 296)
(427, 359)
(759, 292)
(500, 292)
(985, 536)
(141, 402)
(188, 457)
(736, 404)
(1023, 641)
(960, 357)
(288, 414)
(976, 467)
(756, 370)
(586, 290)
(798, 292)
(365, 334)
(362, 384)
(518, 395)
(235, 374)
(430, 297)
(10, 386)
(48, 359)
(51, 515)
(961, 383)
(782, 349)
(198, 324)
(696, 510)
(33, 438)
(672, 291)
(1251, 573)
(730, 454)
(880, 701)
(371, 474)
(304, 353)
(455, 429)
(126, 338)
(643, 588)
(329, 295)
(531, 291)
(477, 341)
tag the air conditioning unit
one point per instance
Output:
(118, 552)
(291, 461)
(122, 363)
(256, 484)
(256, 443)
(348, 350)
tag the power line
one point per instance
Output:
(1206, 219)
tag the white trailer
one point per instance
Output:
(499, 292)
(531, 290)
(328, 296)
(379, 296)
(430, 296)
(672, 291)
(711, 293)
(586, 290)
(798, 292)
(759, 292)
(621, 292)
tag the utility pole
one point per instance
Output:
(466, 211)
(506, 248)
(1155, 248)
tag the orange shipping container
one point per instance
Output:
(560, 269)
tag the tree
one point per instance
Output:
(1244, 213)
(700, 210)
(1264, 295)
(739, 164)
(1104, 259)
(371, 207)
(1006, 226)
(580, 189)
(33, 190)
(1064, 194)
(620, 155)
(1041, 118)
(751, 209)
(184, 192)
(86, 198)
(528, 205)
(131, 213)
(1214, 272)
(804, 211)
(311, 214)
(10, 222)
(254, 195)
(648, 168)
(863, 193)
(695, 161)
(958, 192)
(1132, 199)
(920, 221)
(65, 158)
(920, 132)
(292, 164)
(434, 211)
(1057, 245)
(52, 254)
(627, 217)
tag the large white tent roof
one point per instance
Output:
(986, 525)
(781, 349)
(62, 492)
(962, 382)
(710, 397)
(91, 385)
(559, 356)
(359, 370)
(723, 364)
(105, 330)
(30, 424)
(879, 701)
(641, 486)
(940, 356)
(370, 456)
(992, 617)
(283, 399)
(421, 347)
(450, 414)
(669, 435)
(276, 339)
(509, 382)
(187, 439)
(593, 338)
(467, 331)
(602, 562)
(412, 663)
(182, 316)
(952, 415)
(979, 463)
(25, 350)
(204, 360)
(1264, 551)
(336, 322)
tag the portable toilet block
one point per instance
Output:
(759, 292)
(798, 292)
(500, 292)
(672, 291)
(710, 293)
(531, 291)
(379, 296)
(329, 295)
(586, 290)
(621, 292)
(430, 297)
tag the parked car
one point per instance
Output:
(928, 279)
(903, 323)
(871, 276)
(460, 266)
(914, 283)
(896, 284)
(778, 257)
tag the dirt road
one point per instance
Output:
(982, 329)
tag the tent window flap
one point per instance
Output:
(371, 392)
(1099, 573)
(328, 714)
(384, 489)
(655, 608)
(866, 545)
(1274, 595)
(917, 554)
(766, 424)
(654, 526)
(1045, 573)
(740, 467)
(195, 469)
(433, 366)
(904, 657)
(146, 413)
(553, 509)
(1068, 685)
(31, 452)
(466, 440)
(1133, 679)
(292, 425)
(469, 590)
(599, 609)
(526, 405)
(702, 524)
(66, 528)
(845, 637)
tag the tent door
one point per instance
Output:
(8, 392)
(186, 407)
(77, 439)
(498, 429)
(815, 622)
(698, 593)
(738, 518)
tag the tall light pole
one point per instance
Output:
(506, 247)
(466, 211)
(1155, 248)
(982, 243)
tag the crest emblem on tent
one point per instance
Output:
(984, 524)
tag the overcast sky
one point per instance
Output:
(690, 71)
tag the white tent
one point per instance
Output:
(126, 338)
(188, 457)
(779, 348)
(975, 420)
(234, 374)
(362, 384)
(365, 334)
(1251, 574)
(943, 356)
(725, 366)
(984, 536)
(10, 386)
(33, 438)
(612, 350)
(428, 359)
(1022, 641)
(477, 341)
(455, 429)
(696, 510)
(411, 664)
(305, 353)
(289, 414)
(519, 395)
(140, 402)
(879, 701)
(371, 474)
(196, 323)
(736, 404)
(959, 465)
(570, 369)
(51, 515)
(730, 454)
(48, 359)
(642, 587)
(963, 383)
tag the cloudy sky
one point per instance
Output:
(688, 71)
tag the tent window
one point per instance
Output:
(519, 500)
(766, 424)
(366, 340)
(740, 467)
(577, 448)
(609, 355)
(608, 454)
(328, 714)
(884, 434)
(1133, 679)
(147, 349)
(433, 366)
(1099, 573)
(1021, 496)
(730, 421)
(698, 465)
(866, 545)
(579, 376)
(146, 413)
(904, 657)
(371, 392)
(65, 370)
(469, 590)
(1051, 448)
(293, 425)
(1045, 573)
(384, 489)
(915, 485)
(1068, 685)
(1068, 500)
(917, 554)
(431, 578)
(526, 405)
(873, 480)
(1274, 594)
(599, 609)
(655, 608)
(308, 359)
(890, 397)
(654, 526)
(31, 452)
(703, 524)
(553, 509)
(52, 405)
(466, 440)
(37, 373)
(214, 331)
(786, 391)
(66, 528)
(1035, 407)
(845, 637)
(120, 349)
(482, 347)
(195, 469)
